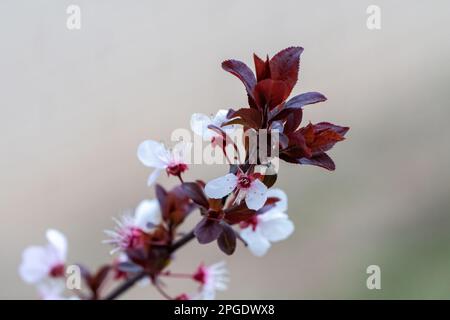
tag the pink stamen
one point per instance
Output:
(57, 270)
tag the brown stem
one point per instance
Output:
(162, 292)
(125, 286)
(178, 244)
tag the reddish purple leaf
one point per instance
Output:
(293, 121)
(195, 192)
(270, 93)
(262, 68)
(304, 99)
(284, 66)
(320, 160)
(227, 240)
(322, 126)
(251, 117)
(243, 72)
(238, 213)
(207, 230)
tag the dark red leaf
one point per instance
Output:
(262, 68)
(323, 136)
(238, 213)
(320, 160)
(269, 180)
(284, 66)
(304, 99)
(298, 147)
(322, 126)
(293, 121)
(161, 195)
(207, 230)
(243, 72)
(296, 103)
(195, 192)
(227, 240)
(252, 117)
(270, 93)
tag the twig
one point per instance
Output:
(126, 285)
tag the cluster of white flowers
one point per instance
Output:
(44, 266)
(270, 226)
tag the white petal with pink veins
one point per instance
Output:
(153, 154)
(147, 215)
(59, 242)
(153, 177)
(199, 125)
(181, 152)
(222, 186)
(277, 229)
(256, 242)
(256, 195)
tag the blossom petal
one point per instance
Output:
(59, 242)
(222, 186)
(35, 265)
(220, 117)
(256, 243)
(277, 229)
(147, 215)
(153, 176)
(181, 152)
(51, 290)
(199, 125)
(153, 154)
(256, 195)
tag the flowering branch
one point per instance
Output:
(242, 204)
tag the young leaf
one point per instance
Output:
(195, 192)
(320, 160)
(284, 66)
(270, 93)
(251, 117)
(262, 68)
(243, 72)
(207, 230)
(227, 240)
(304, 99)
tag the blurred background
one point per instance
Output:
(76, 104)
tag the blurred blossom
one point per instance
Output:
(130, 231)
(212, 278)
(40, 263)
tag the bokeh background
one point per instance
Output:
(75, 105)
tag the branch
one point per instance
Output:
(125, 286)
(186, 238)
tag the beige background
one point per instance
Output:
(75, 105)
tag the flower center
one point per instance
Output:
(200, 275)
(176, 169)
(244, 182)
(57, 270)
(133, 239)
